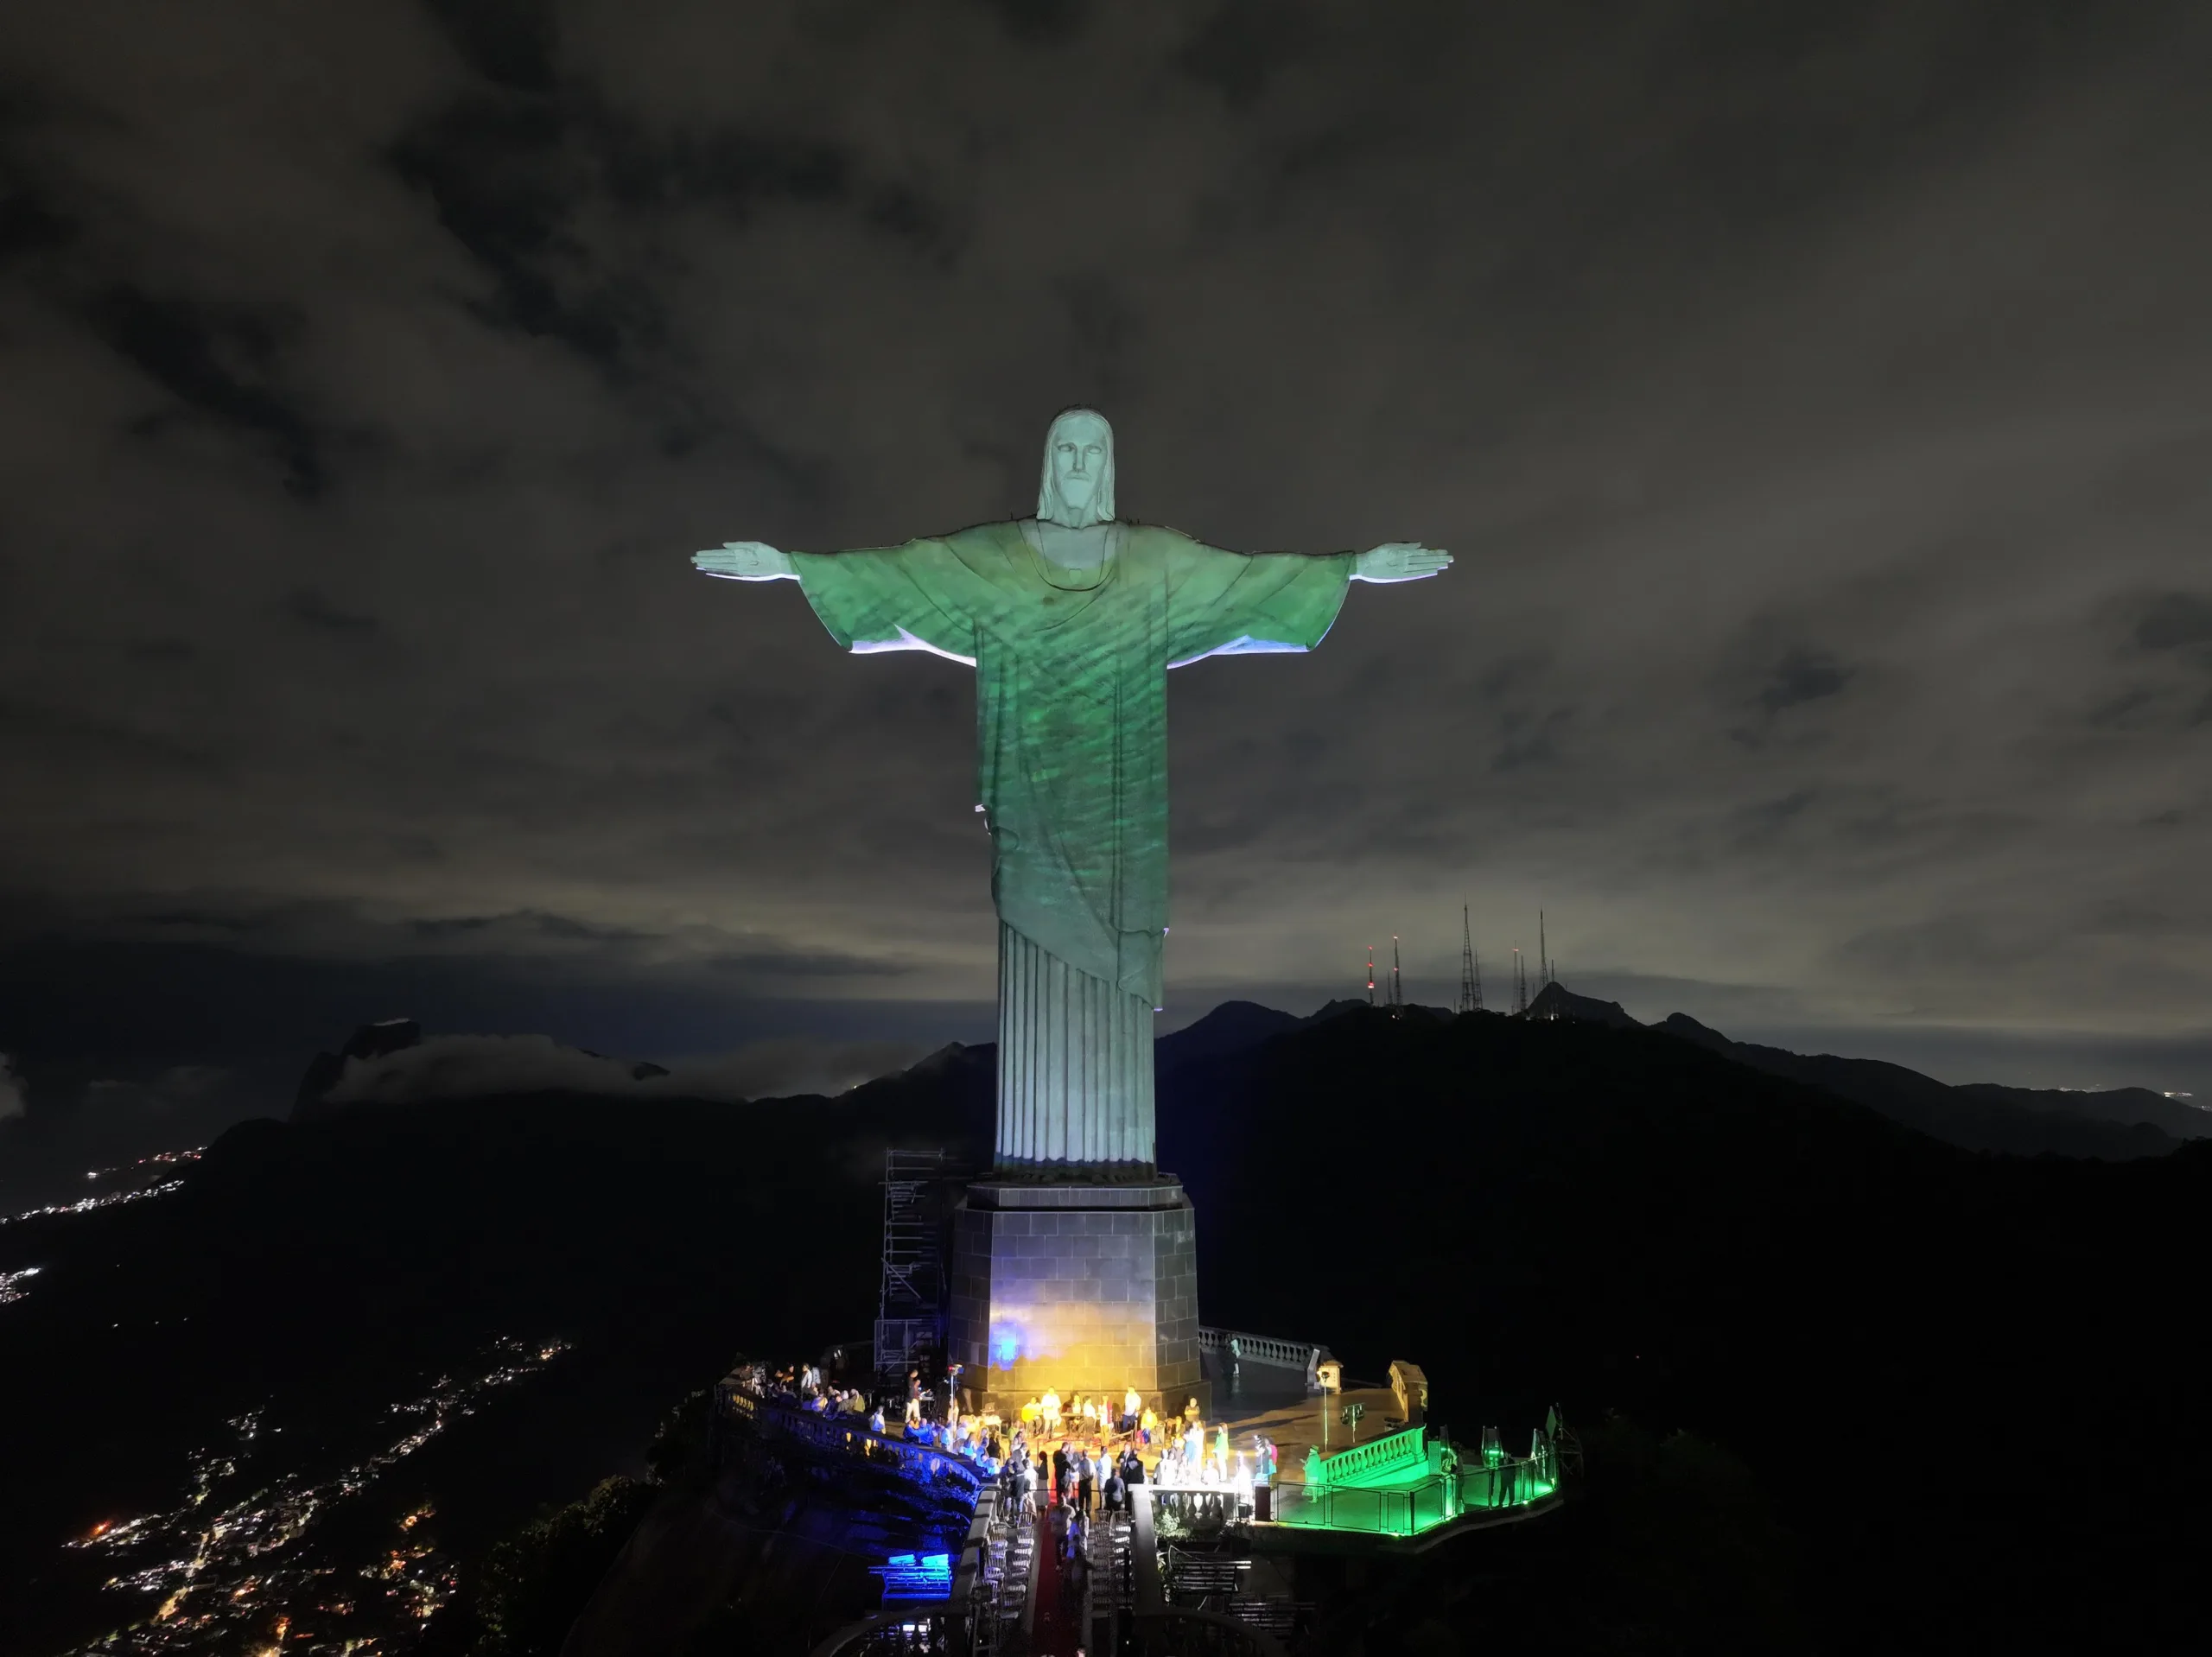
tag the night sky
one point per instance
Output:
(1815, 398)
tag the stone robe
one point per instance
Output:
(1071, 734)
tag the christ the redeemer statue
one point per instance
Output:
(1071, 620)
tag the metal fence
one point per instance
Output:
(850, 1435)
(1514, 1482)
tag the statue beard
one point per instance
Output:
(1067, 518)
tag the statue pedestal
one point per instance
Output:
(1090, 1289)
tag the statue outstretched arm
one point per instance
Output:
(1254, 603)
(745, 561)
(869, 598)
(1400, 560)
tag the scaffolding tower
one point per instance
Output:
(910, 1318)
(1471, 972)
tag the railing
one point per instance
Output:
(1262, 1348)
(1379, 1459)
(1179, 1633)
(1194, 1508)
(1515, 1482)
(1359, 1504)
(850, 1435)
(896, 1634)
(1161, 1627)
(997, 1590)
(1378, 1512)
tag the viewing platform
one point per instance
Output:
(1383, 1480)
(1231, 1564)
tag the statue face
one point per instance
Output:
(1078, 459)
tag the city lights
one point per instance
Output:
(243, 1553)
(145, 1169)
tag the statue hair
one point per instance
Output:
(1050, 508)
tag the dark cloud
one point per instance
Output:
(1812, 396)
(311, 606)
(476, 1067)
(1242, 46)
(218, 362)
(1802, 676)
(28, 224)
(2174, 621)
(763, 966)
(1054, 23)
(2132, 706)
(509, 42)
(1528, 739)
(1764, 820)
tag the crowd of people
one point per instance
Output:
(1070, 1459)
(1064, 1460)
(801, 1386)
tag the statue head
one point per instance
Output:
(1078, 484)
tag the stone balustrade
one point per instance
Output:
(1373, 1462)
(1260, 1348)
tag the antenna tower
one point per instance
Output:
(1520, 984)
(1371, 975)
(1397, 984)
(1543, 949)
(1470, 975)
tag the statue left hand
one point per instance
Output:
(1400, 560)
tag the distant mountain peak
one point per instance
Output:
(1338, 1009)
(1555, 1000)
(1230, 1028)
(2021, 1122)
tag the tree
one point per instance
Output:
(536, 1582)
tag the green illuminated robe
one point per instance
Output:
(1071, 731)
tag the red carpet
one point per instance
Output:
(1058, 1629)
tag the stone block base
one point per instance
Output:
(1088, 1289)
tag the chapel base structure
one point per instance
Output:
(1080, 1289)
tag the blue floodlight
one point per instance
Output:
(916, 1576)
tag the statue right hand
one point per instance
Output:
(745, 561)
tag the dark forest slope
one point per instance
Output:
(1929, 1357)
(1962, 1380)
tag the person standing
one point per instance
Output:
(1059, 1523)
(1116, 1491)
(1085, 1475)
